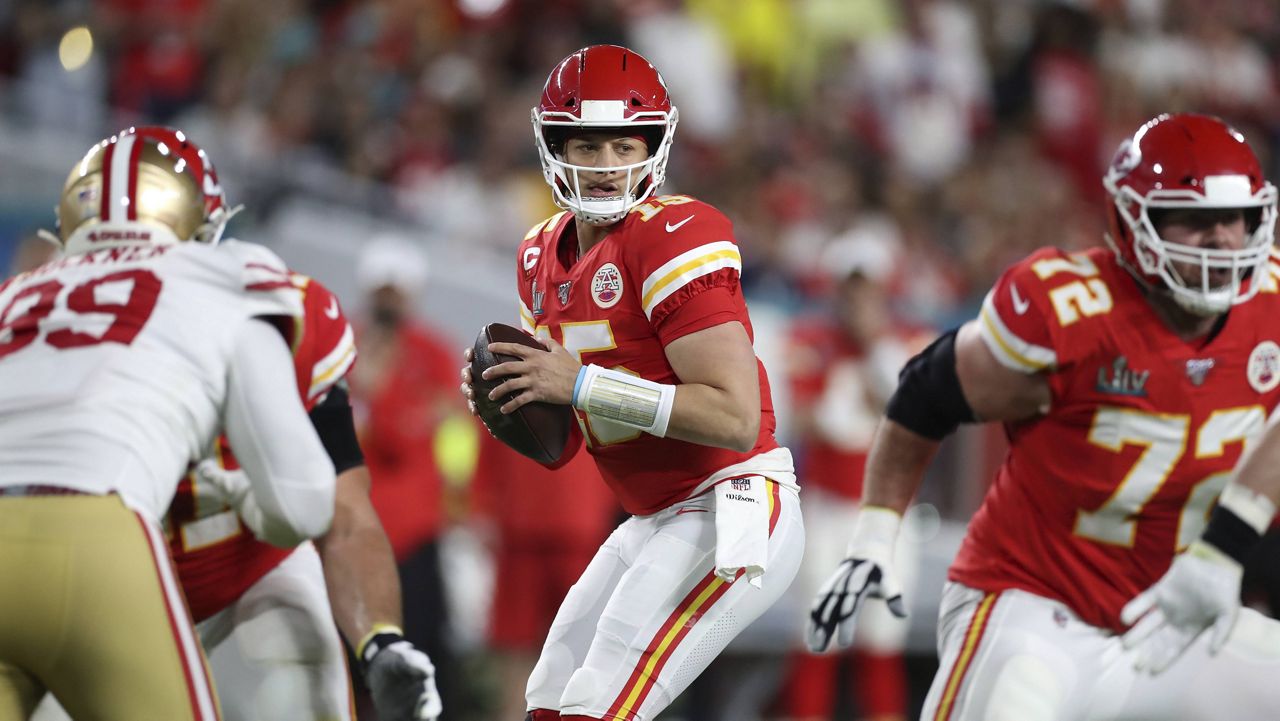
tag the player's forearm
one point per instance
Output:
(1257, 469)
(359, 567)
(896, 465)
(290, 472)
(713, 417)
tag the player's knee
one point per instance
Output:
(581, 691)
(1026, 689)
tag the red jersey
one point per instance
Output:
(218, 559)
(531, 504)
(1096, 496)
(840, 390)
(668, 269)
(400, 418)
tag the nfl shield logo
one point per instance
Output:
(562, 292)
(741, 484)
(1197, 369)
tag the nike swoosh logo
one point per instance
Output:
(332, 310)
(673, 228)
(691, 510)
(1020, 304)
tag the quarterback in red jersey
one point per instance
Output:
(1129, 382)
(638, 297)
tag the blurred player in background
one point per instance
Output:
(1129, 382)
(638, 297)
(119, 364)
(543, 528)
(262, 612)
(843, 368)
(403, 391)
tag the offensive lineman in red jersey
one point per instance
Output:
(262, 612)
(638, 298)
(1129, 383)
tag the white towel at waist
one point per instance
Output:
(742, 528)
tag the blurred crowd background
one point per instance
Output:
(915, 146)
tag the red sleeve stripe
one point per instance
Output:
(682, 620)
(972, 639)
(269, 268)
(269, 285)
(199, 688)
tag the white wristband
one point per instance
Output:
(874, 533)
(623, 398)
(1252, 507)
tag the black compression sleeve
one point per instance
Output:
(929, 400)
(336, 427)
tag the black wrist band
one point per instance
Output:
(1230, 534)
(375, 645)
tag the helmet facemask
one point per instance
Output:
(641, 179)
(1157, 257)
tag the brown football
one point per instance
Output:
(538, 430)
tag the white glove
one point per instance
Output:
(1201, 590)
(232, 488)
(401, 679)
(863, 573)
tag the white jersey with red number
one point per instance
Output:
(670, 268)
(1096, 496)
(217, 557)
(113, 363)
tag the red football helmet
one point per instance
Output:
(146, 183)
(1190, 161)
(610, 87)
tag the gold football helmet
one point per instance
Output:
(146, 184)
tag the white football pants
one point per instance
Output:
(648, 614)
(1015, 656)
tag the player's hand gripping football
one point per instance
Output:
(864, 573)
(538, 375)
(401, 679)
(1199, 592)
(467, 390)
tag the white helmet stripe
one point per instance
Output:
(122, 179)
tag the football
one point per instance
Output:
(537, 430)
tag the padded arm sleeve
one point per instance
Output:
(289, 471)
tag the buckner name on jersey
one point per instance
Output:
(1098, 494)
(668, 269)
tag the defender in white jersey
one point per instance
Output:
(265, 616)
(119, 364)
